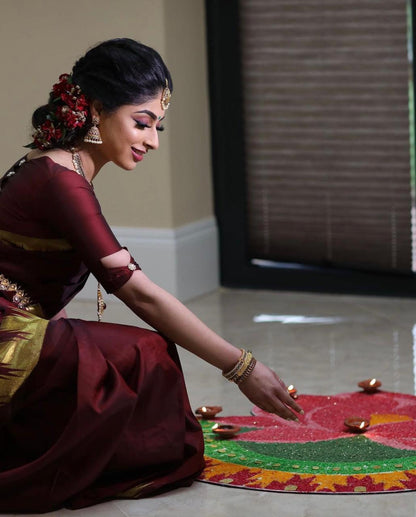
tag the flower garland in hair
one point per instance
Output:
(69, 110)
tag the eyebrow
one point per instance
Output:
(151, 114)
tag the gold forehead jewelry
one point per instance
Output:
(166, 95)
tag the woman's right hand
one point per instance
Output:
(268, 392)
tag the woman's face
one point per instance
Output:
(130, 131)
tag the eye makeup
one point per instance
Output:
(143, 125)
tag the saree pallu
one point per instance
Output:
(90, 412)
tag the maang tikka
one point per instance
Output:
(166, 95)
(93, 135)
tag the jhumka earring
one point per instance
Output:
(166, 95)
(93, 135)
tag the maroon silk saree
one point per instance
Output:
(88, 411)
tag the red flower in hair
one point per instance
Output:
(46, 135)
(81, 104)
(62, 86)
(69, 111)
(71, 118)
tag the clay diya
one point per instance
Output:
(292, 391)
(224, 431)
(207, 412)
(370, 385)
(357, 424)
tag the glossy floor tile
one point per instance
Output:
(323, 344)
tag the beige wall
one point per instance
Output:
(40, 39)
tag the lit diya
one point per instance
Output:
(370, 385)
(357, 424)
(292, 391)
(224, 431)
(207, 412)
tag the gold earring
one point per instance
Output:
(93, 135)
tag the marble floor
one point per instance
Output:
(321, 343)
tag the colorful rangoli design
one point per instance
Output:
(319, 454)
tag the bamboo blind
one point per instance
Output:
(326, 115)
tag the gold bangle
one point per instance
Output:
(242, 369)
(245, 364)
(237, 365)
(247, 372)
(242, 372)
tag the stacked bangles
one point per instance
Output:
(242, 369)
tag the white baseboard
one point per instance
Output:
(183, 260)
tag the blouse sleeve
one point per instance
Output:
(71, 208)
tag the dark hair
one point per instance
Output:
(115, 72)
(121, 71)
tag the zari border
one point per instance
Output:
(34, 243)
(21, 340)
(134, 492)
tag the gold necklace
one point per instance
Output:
(77, 163)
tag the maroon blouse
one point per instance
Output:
(52, 234)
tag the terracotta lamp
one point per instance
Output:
(370, 385)
(224, 431)
(292, 391)
(207, 412)
(356, 424)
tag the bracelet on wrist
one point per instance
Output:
(242, 369)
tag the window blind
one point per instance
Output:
(326, 129)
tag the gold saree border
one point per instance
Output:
(133, 493)
(34, 243)
(21, 340)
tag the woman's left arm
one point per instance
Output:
(171, 318)
(70, 205)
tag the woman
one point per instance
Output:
(92, 411)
